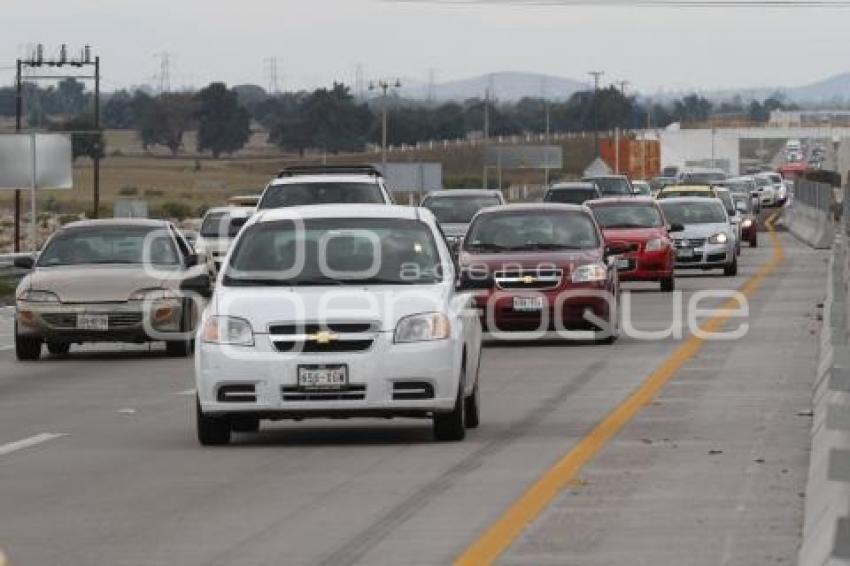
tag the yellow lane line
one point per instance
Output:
(501, 534)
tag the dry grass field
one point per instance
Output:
(195, 182)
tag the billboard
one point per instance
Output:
(524, 157)
(413, 177)
(40, 161)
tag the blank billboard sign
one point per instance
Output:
(52, 158)
(413, 177)
(525, 157)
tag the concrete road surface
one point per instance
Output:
(99, 464)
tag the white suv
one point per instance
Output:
(218, 229)
(305, 185)
(337, 311)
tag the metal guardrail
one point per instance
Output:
(816, 195)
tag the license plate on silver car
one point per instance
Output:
(685, 252)
(92, 322)
(323, 377)
(528, 304)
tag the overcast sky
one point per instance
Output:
(317, 41)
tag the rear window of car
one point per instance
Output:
(673, 193)
(612, 185)
(570, 195)
(627, 216)
(458, 209)
(305, 194)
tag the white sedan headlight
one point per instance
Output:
(228, 330)
(655, 245)
(589, 273)
(422, 327)
(39, 297)
(747, 223)
(718, 239)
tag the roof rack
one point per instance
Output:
(294, 170)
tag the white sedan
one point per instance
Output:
(337, 311)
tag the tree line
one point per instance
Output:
(334, 120)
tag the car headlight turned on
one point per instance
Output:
(228, 330)
(747, 223)
(718, 239)
(422, 327)
(590, 273)
(654, 245)
(39, 297)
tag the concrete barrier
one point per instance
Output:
(826, 531)
(810, 215)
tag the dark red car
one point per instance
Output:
(542, 268)
(640, 224)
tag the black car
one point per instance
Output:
(572, 193)
(612, 185)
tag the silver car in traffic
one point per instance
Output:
(108, 281)
(708, 240)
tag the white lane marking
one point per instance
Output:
(5, 348)
(28, 442)
(187, 393)
(126, 411)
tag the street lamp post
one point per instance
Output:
(384, 86)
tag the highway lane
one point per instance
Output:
(124, 481)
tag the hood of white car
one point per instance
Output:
(385, 304)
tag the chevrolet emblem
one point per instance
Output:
(529, 279)
(323, 337)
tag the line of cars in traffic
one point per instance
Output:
(327, 300)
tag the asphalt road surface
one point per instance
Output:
(99, 464)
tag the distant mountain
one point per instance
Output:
(833, 88)
(507, 87)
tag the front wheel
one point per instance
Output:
(180, 348)
(212, 431)
(452, 426)
(26, 348)
(731, 270)
(754, 243)
(668, 284)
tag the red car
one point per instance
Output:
(639, 223)
(542, 268)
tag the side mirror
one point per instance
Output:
(198, 284)
(192, 260)
(24, 262)
(676, 227)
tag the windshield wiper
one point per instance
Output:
(547, 247)
(239, 282)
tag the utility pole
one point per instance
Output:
(622, 85)
(597, 75)
(546, 134)
(384, 86)
(37, 61)
(19, 103)
(486, 134)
